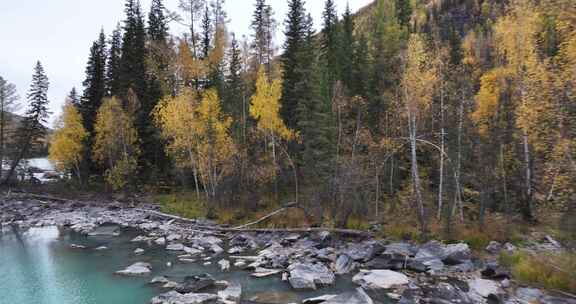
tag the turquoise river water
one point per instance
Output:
(39, 267)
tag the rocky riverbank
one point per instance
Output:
(384, 271)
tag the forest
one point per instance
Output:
(412, 117)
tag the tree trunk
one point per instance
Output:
(416, 175)
(442, 135)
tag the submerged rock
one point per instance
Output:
(310, 276)
(195, 283)
(232, 293)
(136, 269)
(224, 265)
(174, 297)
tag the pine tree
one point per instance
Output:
(330, 47)
(206, 33)
(219, 13)
(132, 63)
(95, 83)
(361, 68)
(263, 26)
(346, 51)
(157, 23)
(74, 98)
(32, 130)
(313, 112)
(294, 65)
(113, 64)
(233, 101)
(404, 12)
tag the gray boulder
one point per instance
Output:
(232, 293)
(344, 264)
(494, 247)
(310, 276)
(483, 288)
(357, 296)
(174, 297)
(455, 254)
(380, 279)
(195, 283)
(530, 295)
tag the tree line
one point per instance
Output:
(440, 111)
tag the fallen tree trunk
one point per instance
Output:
(243, 228)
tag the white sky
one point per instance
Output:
(59, 33)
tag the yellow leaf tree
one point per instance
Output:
(265, 108)
(67, 144)
(176, 117)
(198, 137)
(418, 84)
(116, 143)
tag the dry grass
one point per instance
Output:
(551, 271)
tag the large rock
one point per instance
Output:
(392, 261)
(195, 283)
(494, 247)
(174, 297)
(446, 293)
(354, 297)
(310, 276)
(380, 279)
(361, 252)
(136, 269)
(401, 248)
(344, 264)
(232, 293)
(483, 288)
(530, 295)
(455, 254)
(175, 247)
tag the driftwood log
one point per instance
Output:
(244, 228)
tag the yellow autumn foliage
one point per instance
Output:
(67, 144)
(198, 135)
(492, 85)
(419, 78)
(116, 143)
(265, 107)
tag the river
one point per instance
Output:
(40, 267)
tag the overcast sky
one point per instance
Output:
(59, 33)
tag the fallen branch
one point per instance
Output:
(348, 232)
(38, 197)
(243, 228)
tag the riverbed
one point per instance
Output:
(41, 266)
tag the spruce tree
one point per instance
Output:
(31, 131)
(330, 46)
(346, 54)
(157, 23)
(404, 12)
(74, 98)
(361, 68)
(262, 26)
(95, 83)
(294, 65)
(206, 33)
(234, 84)
(132, 63)
(113, 64)
(313, 112)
